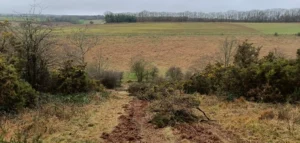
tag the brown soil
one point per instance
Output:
(205, 133)
(134, 126)
(129, 128)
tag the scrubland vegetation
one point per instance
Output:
(51, 90)
(36, 82)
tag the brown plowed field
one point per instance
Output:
(182, 51)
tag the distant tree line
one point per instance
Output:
(74, 19)
(117, 18)
(270, 15)
(70, 19)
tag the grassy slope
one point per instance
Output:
(168, 29)
(174, 29)
(271, 28)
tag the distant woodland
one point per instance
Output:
(270, 15)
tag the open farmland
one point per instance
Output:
(271, 28)
(182, 44)
(176, 29)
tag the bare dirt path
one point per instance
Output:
(134, 127)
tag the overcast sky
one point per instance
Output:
(93, 7)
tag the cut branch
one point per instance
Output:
(204, 114)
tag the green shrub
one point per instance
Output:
(295, 96)
(111, 79)
(139, 68)
(206, 82)
(246, 54)
(14, 92)
(276, 34)
(280, 74)
(145, 91)
(298, 34)
(152, 73)
(72, 79)
(198, 84)
(161, 120)
(174, 73)
(157, 89)
(143, 70)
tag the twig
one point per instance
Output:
(204, 114)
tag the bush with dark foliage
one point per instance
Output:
(174, 73)
(111, 79)
(143, 70)
(246, 54)
(72, 79)
(14, 92)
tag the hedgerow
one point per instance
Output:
(270, 79)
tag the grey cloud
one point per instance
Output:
(100, 6)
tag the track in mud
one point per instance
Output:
(129, 128)
(135, 127)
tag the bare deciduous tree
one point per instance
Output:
(5, 36)
(99, 65)
(199, 64)
(81, 43)
(36, 43)
(143, 69)
(227, 51)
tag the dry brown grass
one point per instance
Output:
(255, 122)
(67, 123)
(245, 121)
(182, 51)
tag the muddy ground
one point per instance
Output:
(135, 127)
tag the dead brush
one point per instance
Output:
(23, 132)
(60, 111)
(267, 115)
(48, 118)
(290, 115)
(284, 114)
(176, 109)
